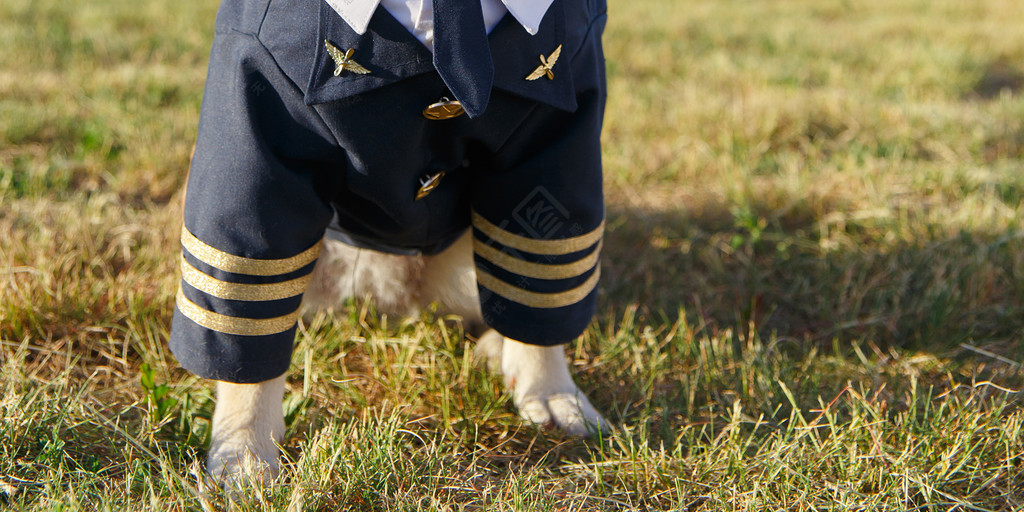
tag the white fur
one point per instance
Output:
(449, 278)
(343, 271)
(248, 426)
(248, 423)
(543, 389)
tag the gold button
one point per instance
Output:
(428, 183)
(443, 109)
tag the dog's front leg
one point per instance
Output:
(248, 427)
(542, 387)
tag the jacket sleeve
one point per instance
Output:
(538, 222)
(257, 204)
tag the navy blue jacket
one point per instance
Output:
(288, 150)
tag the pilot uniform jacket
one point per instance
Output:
(293, 144)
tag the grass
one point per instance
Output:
(813, 294)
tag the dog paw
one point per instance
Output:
(488, 349)
(248, 426)
(236, 465)
(570, 411)
(544, 392)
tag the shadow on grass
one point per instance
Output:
(732, 309)
(737, 269)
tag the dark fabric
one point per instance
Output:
(461, 55)
(287, 149)
(256, 189)
(230, 358)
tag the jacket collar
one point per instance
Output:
(391, 54)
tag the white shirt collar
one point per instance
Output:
(528, 13)
(357, 13)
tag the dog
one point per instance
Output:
(374, 148)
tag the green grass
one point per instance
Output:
(813, 294)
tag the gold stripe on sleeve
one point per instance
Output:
(537, 270)
(234, 325)
(546, 247)
(239, 265)
(538, 300)
(240, 291)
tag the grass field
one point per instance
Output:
(813, 294)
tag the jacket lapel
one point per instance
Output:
(516, 55)
(387, 50)
(390, 53)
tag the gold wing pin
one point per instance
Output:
(344, 60)
(545, 65)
